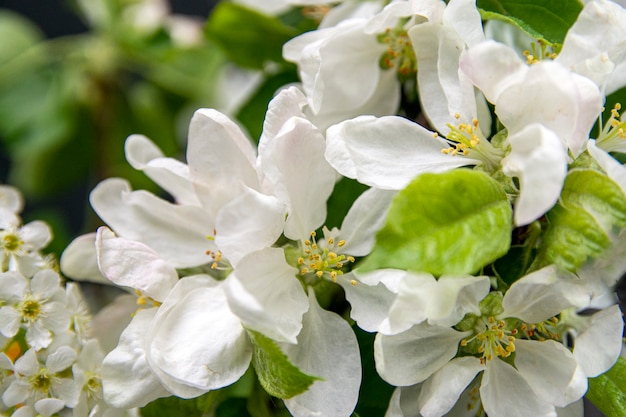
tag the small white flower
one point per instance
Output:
(35, 381)
(37, 304)
(20, 245)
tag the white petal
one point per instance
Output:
(109, 323)
(550, 370)
(564, 102)
(456, 296)
(323, 336)
(322, 58)
(404, 403)
(442, 390)
(493, 67)
(61, 359)
(575, 409)
(10, 320)
(369, 304)
(412, 356)
(127, 379)
(79, 260)
(597, 348)
(11, 199)
(539, 160)
(27, 364)
(265, 294)
(411, 305)
(537, 296)
(170, 174)
(195, 340)
(594, 45)
(464, 18)
(293, 162)
(38, 336)
(16, 393)
(386, 152)
(505, 393)
(14, 286)
(45, 283)
(49, 406)
(132, 264)
(288, 103)
(177, 233)
(220, 157)
(366, 216)
(444, 90)
(250, 222)
(36, 233)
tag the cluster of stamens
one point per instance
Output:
(614, 130)
(143, 300)
(545, 330)
(537, 54)
(10, 242)
(323, 261)
(495, 340)
(399, 53)
(466, 139)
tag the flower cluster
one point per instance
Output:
(483, 253)
(48, 364)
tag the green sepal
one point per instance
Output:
(579, 225)
(542, 19)
(277, 375)
(449, 223)
(608, 391)
(249, 38)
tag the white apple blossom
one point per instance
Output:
(546, 375)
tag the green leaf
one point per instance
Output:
(542, 19)
(451, 223)
(579, 225)
(17, 34)
(278, 376)
(608, 391)
(249, 38)
(174, 406)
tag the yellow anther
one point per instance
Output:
(214, 265)
(313, 234)
(457, 116)
(319, 274)
(351, 259)
(341, 243)
(314, 246)
(463, 342)
(307, 242)
(353, 282)
(333, 276)
(331, 241)
(218, 256)
(332, 255)
(141, 300)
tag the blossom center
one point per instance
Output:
(466, 139)
(322, 260)
(11, 242)
(30, 309)
(41, 381)
(399, 54)
(540, 51)
(494, 339)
